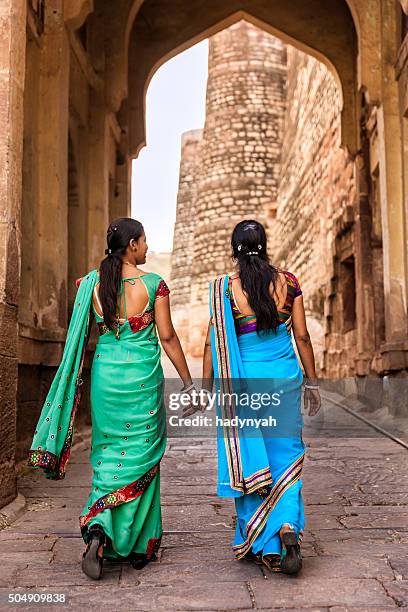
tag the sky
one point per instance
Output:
(175, 103)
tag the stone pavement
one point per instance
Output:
(355, 545)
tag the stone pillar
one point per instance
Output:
(44, 223)
(183, 239)
(240, 160)
(368, 247)
(365, 307)
(12, 65)
(98, 195)
(43, 312)
(77, 207)
(98, 177)
(120, 185)
(394, 351)
(52, 167)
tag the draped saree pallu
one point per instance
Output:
(258, 466)
(128, 421)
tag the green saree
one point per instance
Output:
(128, 429)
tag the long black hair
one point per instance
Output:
(248, 243)
(120, 233)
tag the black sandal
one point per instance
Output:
(92, 558)
(138, 560)
(291, 558)
(272, 561)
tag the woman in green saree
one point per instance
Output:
(122, 516)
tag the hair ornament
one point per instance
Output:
(259, 247)
(249, 226)
(239, 247)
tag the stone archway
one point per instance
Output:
(154, 40)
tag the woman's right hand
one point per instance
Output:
(312, 401)
(193, 404)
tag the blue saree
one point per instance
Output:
(259, 465)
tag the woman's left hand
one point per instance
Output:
(313, 401)
(194, 404)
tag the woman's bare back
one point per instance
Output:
(137, 298)
(241, 299)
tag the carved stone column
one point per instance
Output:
(12, 65)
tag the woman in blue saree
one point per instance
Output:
(249, 350)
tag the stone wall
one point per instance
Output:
(316, 187)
